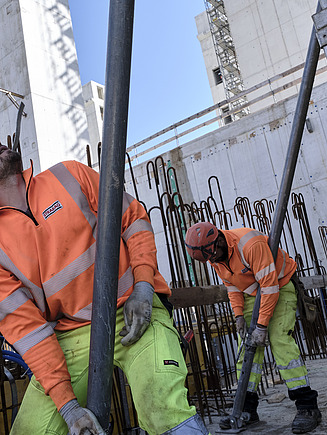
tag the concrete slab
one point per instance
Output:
(276, 418)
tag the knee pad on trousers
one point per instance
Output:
(192, 426)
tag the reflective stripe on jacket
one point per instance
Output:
(47, 266)
(251, 264)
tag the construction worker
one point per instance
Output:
(47, 250)
(243, 260)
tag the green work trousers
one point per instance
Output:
(154, 367)
(282, 344)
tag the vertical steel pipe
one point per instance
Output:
(281, 207)
(118, 66)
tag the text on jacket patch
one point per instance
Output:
(51, 210)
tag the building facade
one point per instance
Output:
(93, 94)
(270, 40)
(38, 61)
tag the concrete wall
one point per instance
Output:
(270, 37)
(248, 158)
(38, 60)
(274, 34)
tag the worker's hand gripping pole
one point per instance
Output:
(121, 14)
(279, 216)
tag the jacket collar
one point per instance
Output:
(229, 236)
(230, 240)
(27, 175)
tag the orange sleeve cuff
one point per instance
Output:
(144, 273)
(236, 300)
(263, 321)
(238, 311)
(62, 393)
(267, 307)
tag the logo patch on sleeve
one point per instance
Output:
(51, 210)
(170, 362)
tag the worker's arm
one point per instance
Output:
(88, 178)
(262, 265)
(23, 325)
(137, 234)
(236, 299)
(136, 229)
(235, 295)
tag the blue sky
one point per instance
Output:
(168, 78)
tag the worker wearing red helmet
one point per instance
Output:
(243, 260)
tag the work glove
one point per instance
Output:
(259, 336)
(80, 421)
(137, 313)
(241, 326)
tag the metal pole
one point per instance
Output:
(119, 49)
(280, 211)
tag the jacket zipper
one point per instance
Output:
(30, 216)
(28, 204)
(227, 265)
(23, 212)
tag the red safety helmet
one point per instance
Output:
(200, 240)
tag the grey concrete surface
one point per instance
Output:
(276, 418)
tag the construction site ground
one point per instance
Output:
(276, 418)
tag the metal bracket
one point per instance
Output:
(320, 23)
(11, 96)
(237, 426)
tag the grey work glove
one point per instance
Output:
(259, 336)
(80, 421)
(241, 326)
(137, 313)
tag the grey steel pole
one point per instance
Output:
(280, 211)
(119, 49)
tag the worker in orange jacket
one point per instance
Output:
(47, 252)
(243, 260)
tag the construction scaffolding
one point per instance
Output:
(228, 68)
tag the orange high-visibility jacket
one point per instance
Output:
(47, 266)
(251, 264)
